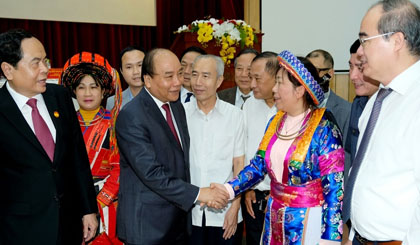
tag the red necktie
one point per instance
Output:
(170, 121)
(42, 131)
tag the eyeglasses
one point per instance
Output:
(363, 40)
(322, 69)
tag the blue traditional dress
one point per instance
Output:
(305, 206)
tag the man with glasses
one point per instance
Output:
(382, 192)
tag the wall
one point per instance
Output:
(301, 26)
(119, 12)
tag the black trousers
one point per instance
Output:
(210, 235)
(254, 227)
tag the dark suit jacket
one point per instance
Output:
(340, 109)
(357, 107)
(155, 195)
(43, 202)
(228, 95)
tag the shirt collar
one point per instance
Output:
(239, 93)
(405, 80)
(157, 101)
(20, 99)
(217, 108)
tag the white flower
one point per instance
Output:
(182, 28)
(213, 21)
(235, 35)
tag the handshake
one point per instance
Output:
(215, 196)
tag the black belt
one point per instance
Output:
(260, 197)
(365, 241)
(265, 193)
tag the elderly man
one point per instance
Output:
(155, 192)
(217, 149)
(257, 111)
(187, 59)
(47, 186)
(382, 192)
(242, 91)
(131, 59)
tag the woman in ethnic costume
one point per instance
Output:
(91, 80)
(302, 152)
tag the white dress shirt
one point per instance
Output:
(216, 138)
(239, 101)
(26, 110)
(386, 196)
(257, 114)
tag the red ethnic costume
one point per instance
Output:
(98, 128)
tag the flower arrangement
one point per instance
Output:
(227, 33)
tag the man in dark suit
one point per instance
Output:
(47, 188)
(242, 91)
(155, 192)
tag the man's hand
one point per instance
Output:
(231, 219)
(214, 197)
(90, 224)
(249, 199)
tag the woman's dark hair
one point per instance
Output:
(311, 68)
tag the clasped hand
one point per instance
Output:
(215, 196)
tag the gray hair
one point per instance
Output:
(401, 16)
(220, 65)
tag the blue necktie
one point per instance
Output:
(349, 186)
(189, 94)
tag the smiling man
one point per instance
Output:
(187, 59)
(47, 188)
(156, 195)
(217, 150)
(242, 91)
(257, 112)
(131, 59)
(382, 192)
(364, 88)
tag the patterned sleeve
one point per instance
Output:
(250, 175)
(331, 163)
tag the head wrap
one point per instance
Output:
(293, 65)
(86, 63)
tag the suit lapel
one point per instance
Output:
(53, 111)
(176, 110)
(155, 112)
(13, 114)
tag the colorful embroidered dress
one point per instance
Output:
(104, 163)
(305, 206)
